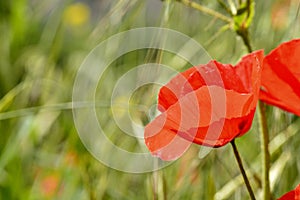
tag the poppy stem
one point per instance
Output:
(240, 163)
(244, 32)
(245, 37)
(265, 150)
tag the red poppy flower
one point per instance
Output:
(208, 105)
(281, 77)
(292, 195)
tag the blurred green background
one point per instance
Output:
(42, 45)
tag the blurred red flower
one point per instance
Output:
(50, 185)
(292, 195)
(281, 77)
(208, 105)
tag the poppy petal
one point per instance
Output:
(281, 77)
(292, 195)
(239, 78)
(170, 93)
(230, 128)
(188, 120)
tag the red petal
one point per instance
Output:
(222, 132)
(249, 71)
(170, 93)
(281, 77)
(239, 78)
(210, 116)
(292, 195)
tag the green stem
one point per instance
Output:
(225, 6)
(265, 151)
(239, 161)
(205, 10)
(245, 37)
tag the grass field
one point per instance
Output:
(42, 46)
